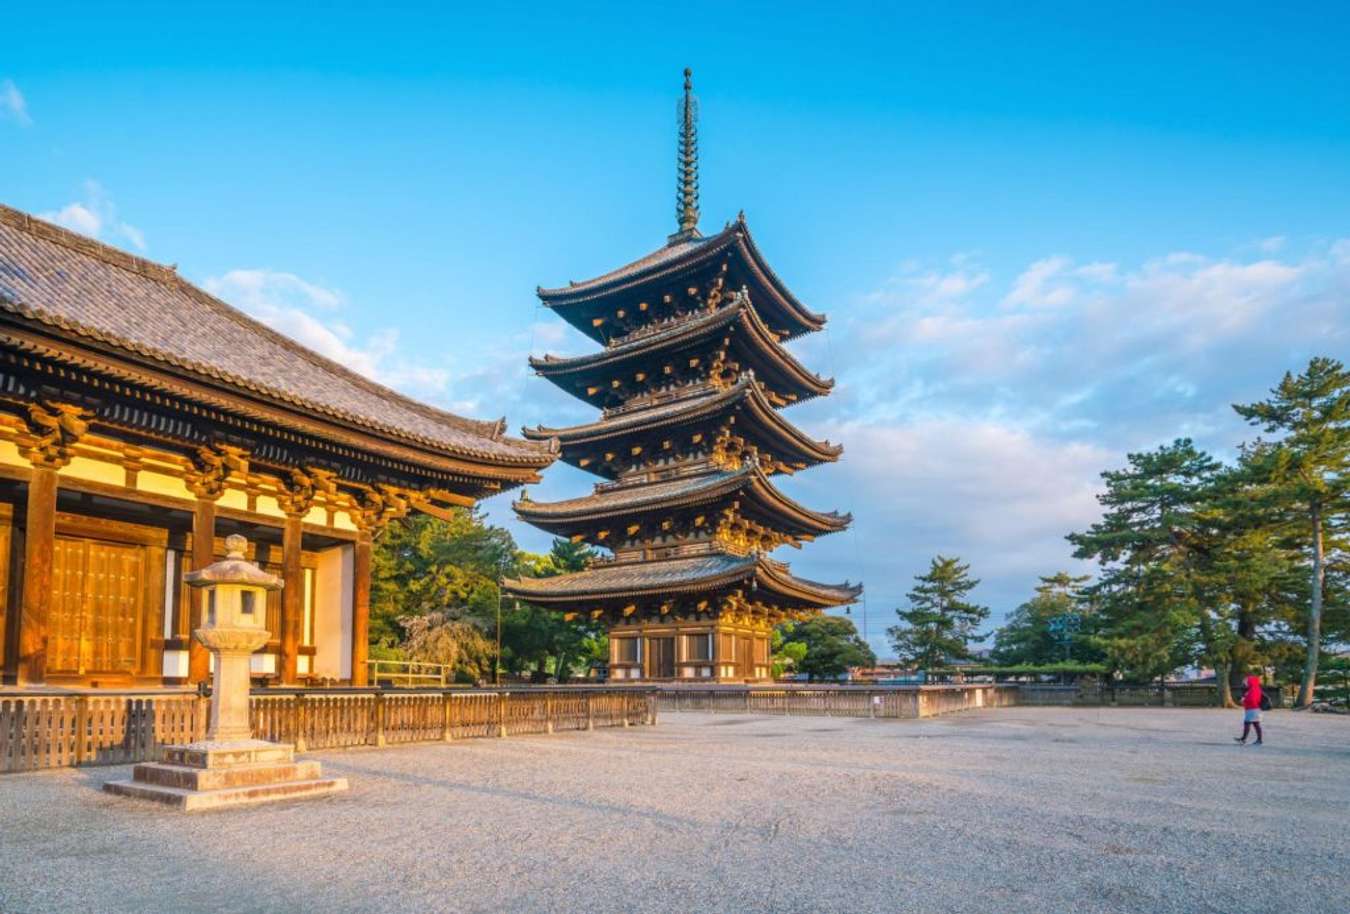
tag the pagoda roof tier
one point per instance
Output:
(757, 421)
(757, 494)
(771, 582)
(756, 347)
(579, 303)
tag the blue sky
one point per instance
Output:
(1044, 236)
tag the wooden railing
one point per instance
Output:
(56, 731)
(407, 674)
(906, 702)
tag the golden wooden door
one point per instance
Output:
(97, 608)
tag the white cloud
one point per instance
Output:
(96, 217)
(287, 303)
(13, 106)
(978, 412)
(78, 218)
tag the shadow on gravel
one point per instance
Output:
(629, 812)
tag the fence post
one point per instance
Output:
(871, 705)
(81, 726)
(548, 712)
(590, 712)
(301, 723)
(501, 714)
(449, 734)
(379, 719)
(651, 709)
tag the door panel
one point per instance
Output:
(661, 658)
(99, 603)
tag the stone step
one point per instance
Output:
(191, 778)
(196, 800)
(227, 755)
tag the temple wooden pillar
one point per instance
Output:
(211, 468)
(296, 498)
(39, 547)
(48, 443)
(292, 597)
(361, 605)
(203, 554)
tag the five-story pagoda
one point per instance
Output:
(691, 384)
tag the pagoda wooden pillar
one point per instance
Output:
(48, 443)
(361, 605)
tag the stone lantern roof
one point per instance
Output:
(233, 569)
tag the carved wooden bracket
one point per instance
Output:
(372, 508)
(296, 494)
(212, 467)
(50, 433)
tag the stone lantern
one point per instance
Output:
(229, 767)
(235, 610)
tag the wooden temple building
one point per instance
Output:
(142, 421)
(692, 384)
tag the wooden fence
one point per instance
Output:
(906, 702)
(1171, 695)
(57, 731)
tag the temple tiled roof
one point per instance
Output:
(681, 257)
(789, 372)
(702, 403)
(147, 312)
(629, 500)
(698, 574)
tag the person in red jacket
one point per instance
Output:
(1251, 713)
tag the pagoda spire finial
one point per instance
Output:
(686, 199)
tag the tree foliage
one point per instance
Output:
(1029, 635)
(940, 623)
(1305, 472)
(825, 647)
(435, 594)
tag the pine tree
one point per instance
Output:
(1305, 470)
(1027, 636)
(1147, 542)
(940, 623)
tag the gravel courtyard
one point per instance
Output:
(1023, 809)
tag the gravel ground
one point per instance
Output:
(1023, 809)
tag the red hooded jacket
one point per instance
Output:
(1252, 699)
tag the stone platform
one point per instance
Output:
(212, 775)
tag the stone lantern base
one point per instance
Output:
(214, 774)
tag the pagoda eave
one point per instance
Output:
(611, 583)
(677, 260)
(754, 417)
(588, 377)
(748, 486)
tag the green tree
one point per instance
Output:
(785, 655)
(940, 623)
(1245, 574)
(1306, 471)
(832, 646)
(422, 564)
(1027, 637)
(432, 577)
(1148, 591)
